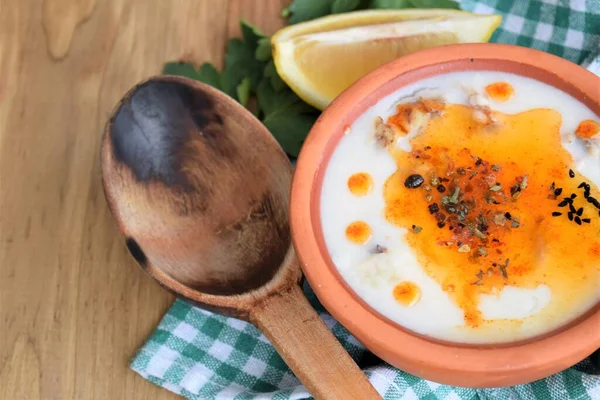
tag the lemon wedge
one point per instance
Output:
(320, 58)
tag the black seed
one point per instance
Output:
(578, 220)
(570, 215)
(441, 188)
(556, 214)
(459, 243)
(440, 217)
(441, 224)
(571, 173)
(507, 216)
(586, 220)
(552, 186)
(495, 240)
(433, 208)
(558, 191)
(582, 184)
(479, 161)
(580, 211)
(563, 203)
(593, 201)
(572, 209)
(586, 194)
(573, 195)
(414, 181)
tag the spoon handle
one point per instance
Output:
(309, 348)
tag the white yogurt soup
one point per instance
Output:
(466, 207)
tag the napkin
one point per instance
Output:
(201, 355)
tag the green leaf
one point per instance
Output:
(240, 63)
(270, 72)
(263, 50)
(236, 59)
(180, 68)
(271, 101)
(250, 33)
(207, 73)
(305, 10)
(243, 91)
(286, 116)
(391, 4)
(290, 130)
(435, 4)
(342, 6)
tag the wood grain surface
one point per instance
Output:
(73, 305)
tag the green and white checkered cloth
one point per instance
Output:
(201, 355)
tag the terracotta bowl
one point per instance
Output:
(449, 363)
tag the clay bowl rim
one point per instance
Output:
(444, 362)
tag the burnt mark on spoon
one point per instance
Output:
(136, 251)
(172, 133)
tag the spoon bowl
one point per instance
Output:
(200, 190)
(191, 190)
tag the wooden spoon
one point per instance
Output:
(200, 190)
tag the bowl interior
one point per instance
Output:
(375, 330)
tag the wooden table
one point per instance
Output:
(73, 305)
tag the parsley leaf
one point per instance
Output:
(342, 6)
(270, 72)
(435, 4)
(180, 68)
(286, 116)
(238, 65)
(305, 10)
(207, 73)
(290, 130)
(263, 49)
(241, 61)
(391, 4)
(251, 34)
(243, 91)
